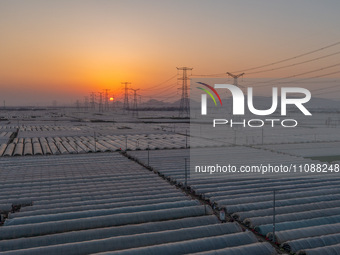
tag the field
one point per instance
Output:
(78, 182)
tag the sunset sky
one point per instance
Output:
(63, 50)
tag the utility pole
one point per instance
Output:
(235, 76)
(184, 104)
(134, 106)
(126, 95)
(100, 101)
(106, 99)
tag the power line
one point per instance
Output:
(329, 87)
(218, 74)
(309, 78)
(291, 65)
(173, 93)
(295, 75)
(326, 92)
(166, 98)
(291, 58)
(166, 90)
(163, 92)
(160, 84)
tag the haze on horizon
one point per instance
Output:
(63, 50)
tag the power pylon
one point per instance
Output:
(100, 101)
(126, 95)
(77, 104)
(134, 106)
(235, 76)
(184, 104)
(113, 103)
(106, 99)
(93, 100)
(86, 103)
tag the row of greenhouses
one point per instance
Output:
(5, 137)
(307, 209)
(88, 144)
(312, 149)
(106, 203)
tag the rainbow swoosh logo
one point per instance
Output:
(209, 93)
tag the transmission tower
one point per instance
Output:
(106, 99)
(93, 100)
(184, 104)
(134, 106)
(86, 103)
(126, 95)
(78, 104)
(113, 103)
(100, 101)
(235, 76)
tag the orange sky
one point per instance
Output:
(64, 50)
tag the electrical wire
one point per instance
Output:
(281, 61)
(288, 59)
(329, 87)
(218, 74)
(326, 92)
(296, 64)
(160, 84)
(309, 78)
(295, 75)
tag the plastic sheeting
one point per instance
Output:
(19, 148)
(28, 150)
(191, 246)
(310, 243)
(284, 236)
(10, 232)
(256, 221)
(249, 249)
(329, 250)
(97, 213)
(90, 204)
(286, 209)
(265, 229)
(101, 233)
(45, 148)
(9, 149)
(37, 148)
(269, 204)
(137, 240)
(2, 149)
